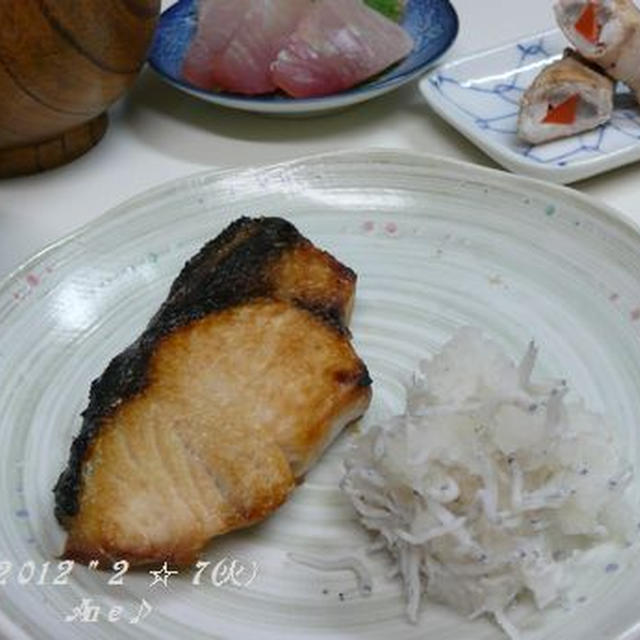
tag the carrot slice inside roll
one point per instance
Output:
(587, 25)
(563, 113)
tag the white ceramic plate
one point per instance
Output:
(479, 95)
(434, 251)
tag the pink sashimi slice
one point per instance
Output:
(244, 66)
(218, 21)
(338, 44)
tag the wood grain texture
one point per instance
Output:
(62, 63)
(56, 151)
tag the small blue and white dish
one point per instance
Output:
(480, 96)
(433, 24)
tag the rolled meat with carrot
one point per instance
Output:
(567, 97)
(606, 32)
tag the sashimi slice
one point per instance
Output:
(218, 21)
(244, 66)
(338, 44)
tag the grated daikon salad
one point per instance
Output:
(488, 483)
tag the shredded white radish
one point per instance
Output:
(347, 563)
(488, 483)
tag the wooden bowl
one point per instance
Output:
(62, 63)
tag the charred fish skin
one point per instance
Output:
(235, 267)
(247, 261)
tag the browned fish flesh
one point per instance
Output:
(209, 419)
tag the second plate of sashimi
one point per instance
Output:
(296, 57)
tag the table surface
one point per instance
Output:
(158, 133)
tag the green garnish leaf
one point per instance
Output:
(390, 8)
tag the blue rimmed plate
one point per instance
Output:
(479, 95)
(433, 24)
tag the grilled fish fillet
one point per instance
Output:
(207, 422)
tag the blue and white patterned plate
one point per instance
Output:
(480, 94)
(433, 24)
